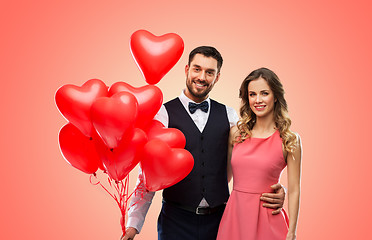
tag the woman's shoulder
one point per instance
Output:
(298, 138)
(297, 142)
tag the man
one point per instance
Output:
(192, 208)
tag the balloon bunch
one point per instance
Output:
(112, 128)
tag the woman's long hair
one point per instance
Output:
(281, 117)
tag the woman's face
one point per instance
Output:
(261, 98)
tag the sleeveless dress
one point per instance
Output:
(256, 164)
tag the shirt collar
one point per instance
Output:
(185, 100)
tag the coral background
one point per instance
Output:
(321, 50)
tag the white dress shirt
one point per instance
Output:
(137, 212)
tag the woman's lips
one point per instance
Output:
(260, 107)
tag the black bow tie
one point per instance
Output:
(202, 106)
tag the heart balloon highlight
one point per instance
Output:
(74, 103)
(78, 150)
(163, 166)
(172, 136)
(121, 160)
(155, 55)
(113, 116)
(149, 100)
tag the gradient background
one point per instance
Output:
(321, 51)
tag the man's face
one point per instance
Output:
(201, 75)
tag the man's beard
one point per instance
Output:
(201, 95)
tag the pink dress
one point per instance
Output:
(257, 164)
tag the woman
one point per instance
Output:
(260, 147)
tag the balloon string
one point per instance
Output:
(90, 179)
(120, 192)
(112, 195)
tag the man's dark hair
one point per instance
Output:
(208, 52)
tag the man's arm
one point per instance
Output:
(138, 208)
(130, 233)
(141, 199)
(232, 115)
(274, 200)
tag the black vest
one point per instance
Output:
(208, 177)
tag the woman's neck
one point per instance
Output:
(264, 125)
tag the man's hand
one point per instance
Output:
(130, 233)
(274, 200)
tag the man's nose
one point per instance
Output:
(202, 75)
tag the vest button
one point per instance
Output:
(202, 164)
(202, 138)
(202, 150)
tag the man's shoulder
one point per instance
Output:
(172, 101)
(221, 104)
(216, 102)
(232, 115)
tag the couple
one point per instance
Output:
(254, 150)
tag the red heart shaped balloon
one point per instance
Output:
(149, 100)
(121, 160)
(172, 136)
(113, 116)
(163, 166)
(155, 55)
(74, 103)
(78, 150)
